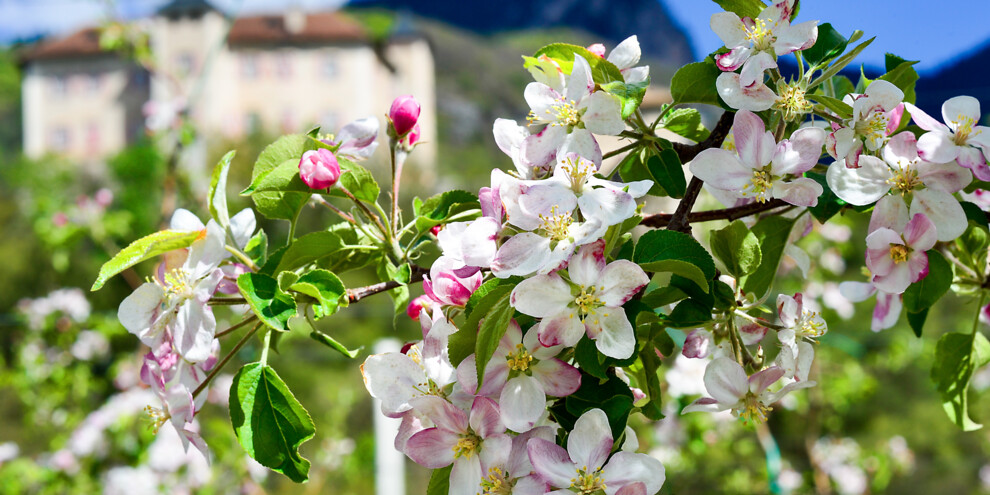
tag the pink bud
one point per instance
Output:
(435, 230)
(60, 219)
(598, 49)
(417, 305)
(697, 344)
(103, 197)
(319, 168)
(404, 114)
(413, 136)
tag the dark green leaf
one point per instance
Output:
(957, 357)
(667, 171)
(633, 168)
(269, 422)
(663, 296)
(830, 44)
(742, 8)
(439, 481)
(461, 344)
(612, 396)
(900, 73)
(267, 301)
(358, 180)
(975, 214)
(689, 313)
(651, 363)
(828, 203)
(676, 252)
(630, 95)
(145, 248)
(923, 293)
(772, 233)
(695, 83)
(686, 122)
(492, 329)
(917, 321)
(589, 359)
(437, 209)
(737, 248)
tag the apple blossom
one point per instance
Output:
(876, 115)
(747, 90)
(319, 168)
(748, 397)
(625, 56)
(758, 166)
(450, 283)
(356, 140)
(506, 469)
(799, 323)
(888, 306)
(959, 139)
(771, 33)
(898, 260)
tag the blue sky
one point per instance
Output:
(914, 29)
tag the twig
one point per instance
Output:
(236, 326)
(223, 362)
(355, 295)
(679, 220)
(659, 220)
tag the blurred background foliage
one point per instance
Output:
(71, 417)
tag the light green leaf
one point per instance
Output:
(772, 233)
(685, 122)
(838, 106)
(602, 71)
(269, 422)
(358, 180)
(439, 481)
(323, 286)
(272, 306)
(630, 95)
(957, 357)
(737, 248)
(742, 8)
(308, 249)
(272, 204)
(676, 252)
(144, 248)
(695, 83)
(462, 344)
(283, 178)
(218, 191)
(830, 44)
(840, 63)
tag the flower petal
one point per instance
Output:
(919, 233)
(756, 98)
(946, 215)
(617, 338)
(802, 191)
(859, 186)
(626, 468)
(522, 403)
(800, 153)
(557, 378)
(626, 54)
(591, 440)
(432, 448)
(960, 109)
(542, 296)
(522, 254)
(937, 147)
(891, 212)
(551, 462)
(564, 329)
(721, 169)
(603, 114)
(725, 380)
(924, 120)
(621, 280)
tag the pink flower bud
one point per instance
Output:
(435, 230)
(598, 49)
(697, 344)
(413, 136)
(60, 219)
(319, 168)
(404, 114)
(103, 197)
(417, 305)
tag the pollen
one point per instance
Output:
(588, 301)
(578, 172)
(873, 128)
(557, 225)
(964, 127)
(587, 483)
(899, 253)
(905, 179)
(754, 411)
(811, 325)
(158, 417)
(496, 483)
(466, 446)
(564, 113)
(761, 185)
(519, 360)
(792, 103)
(761, 34)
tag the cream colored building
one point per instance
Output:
(284, 73)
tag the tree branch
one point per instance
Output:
(355, 295)
(679, 221)
(660, 220)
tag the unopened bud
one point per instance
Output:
(319, 168)
(404, 114)
(417, 305)
(697, 344)
(598, 49)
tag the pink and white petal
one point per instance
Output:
(980, 137)
(542, 296)
(959, 109)
(583, 143)
(749, 133)
(192, 333)
(755, 68)
(705, 404)
(540, 149)
(721, 169)
(859, 186)
(920, 233)
(432, 448)
(891, 212)
(465, 477)
(944, 212)
(411, 424)
(637, 488)
(532, 485)
(762, 380)
(580, 83)
(626, 54)
(795, 37)
(509, 135)
(242, 225)
(621, 280)
(603, 114)
(937, 147)
(551, 462)
(541, 98)
(443, 414)
(391, 378)
(586, 266)
(788, 309)
(857, 291)
(901, 150)
(733, 59)
(729, 28)
(896, 281)
(522, 254)
(925, 121)
(522, 403)
(485, 418)
(557, 378)
(884, 94)
(138, 309)
(975, 160)
(725, 380)
(564, 329)
(616, 338)
(625, 468)
(799, 192)
(497, 452)
(541, 199)
(610, 206)
(887, 311)
(948, 177)
(756, 98)
(495, 376)
(878, 244)
(591, 440)
(634, 75)
(800, 153)
(918, 265)
(478, 243)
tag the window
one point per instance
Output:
(60, 139)
(330, 67)
(249, 66)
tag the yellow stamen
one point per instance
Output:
(557, 225)
(587, 483)
(899, 253)
(792, 103)
(520, 360)
(466, 446)
(905, 179)
(754, 411)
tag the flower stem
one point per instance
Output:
(223, 362)
(242, 257)
(264, 348)
(236, 326)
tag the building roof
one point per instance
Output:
(85, 42)
(319, 27)
(178, 8)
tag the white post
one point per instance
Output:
(390, 474)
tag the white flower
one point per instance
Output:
(959, 139)
(748, 397)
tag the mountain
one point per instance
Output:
(967, 75)
(613, 20)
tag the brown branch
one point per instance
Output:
(679, 220)
(355, 295)
(660, 220)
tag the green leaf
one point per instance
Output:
(900, 73)
(144, 248)
(917, 321)
(361, 250)
(737, 248)
(280, 205)
(975, 214)
(667, 172)
(695, 83)
(323, 286)
(840, 63)
(333, 344)
(828, 203)
(838, 106)
(633, 168)
(439, 481)
(602, 71)
(218, 191)
(925, 292)
(463, 343)
(272, 306)
(269, 422)
(358, 180)
(651, 363)
(283, 178)
(257, 248)
(437, 209)
(308, 249)
(663, 296)
(689, 313)
(675, 252)
(957, 357)
(589, 359)
(612, 396)
(830, 44)
(630, 95)
(742, 8)
(492, 329)
(685, 122)
(772, 233)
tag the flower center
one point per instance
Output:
(557, 225)
(587, 301)
(761, 185)
(467, 446)
(792, 103)
(964, 126)
(761, 34)
(519, 360)
(177, 284)
(578, 172)
(587, 483)
(811, 325)
(873, 128)
(158, 417)
(899, 253)
(496, 483)
(754, 410)
(905, 179)
(562, 112)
